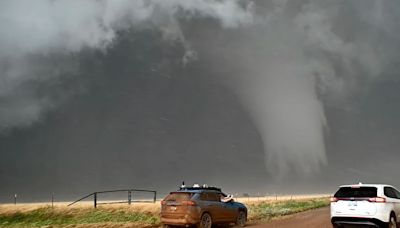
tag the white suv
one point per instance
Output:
(368, 205)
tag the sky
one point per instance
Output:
(254, 96)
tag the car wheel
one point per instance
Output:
(205, 221)
(392, 222)
(241, 219)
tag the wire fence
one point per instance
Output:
(124, 196)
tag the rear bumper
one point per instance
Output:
(368, 222)
(381, 212)
(179, 221)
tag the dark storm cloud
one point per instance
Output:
(50, 53)
(148, 124)
(48, 29)
(114, 93)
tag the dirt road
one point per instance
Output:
(310, 219)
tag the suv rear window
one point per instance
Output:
(179, 196)
(349, 192)
(210, 196)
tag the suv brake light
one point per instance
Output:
(377, 200)
(163, 202)
(334, 199)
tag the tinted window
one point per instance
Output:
(390, 192)
(209, 196)
(214, 196)
(204, 196)
(349, 192)
(397, 194)
(179, 196)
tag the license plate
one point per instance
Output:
(352, 204)
(172, 208)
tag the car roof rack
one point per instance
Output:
(198, 187)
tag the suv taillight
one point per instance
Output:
(189, 203)
(334, 199)
(163, 202)
(377, 200)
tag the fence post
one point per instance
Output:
(52, 200)
(129, 197)
(15, 199)
(155, 196)
(95, 199)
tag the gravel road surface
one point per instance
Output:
(318, 218)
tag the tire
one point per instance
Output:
(205, 221)
(241, 219)
(392, 222)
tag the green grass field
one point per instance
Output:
(134, 216)
(47, 216)
(270, 210)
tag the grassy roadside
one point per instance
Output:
(135, 216)
(265, 211)
(79, 217)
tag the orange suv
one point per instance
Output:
(202, 207)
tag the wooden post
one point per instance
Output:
(129, 197)
(155, 197)
(52, 199)
(15, 199)
(95, 199)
